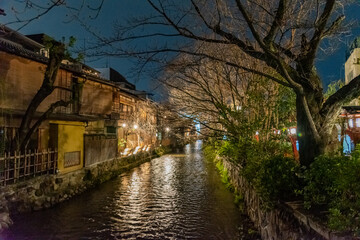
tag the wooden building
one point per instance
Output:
(86, 131)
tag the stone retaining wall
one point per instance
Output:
(45, 191)
(286, 221)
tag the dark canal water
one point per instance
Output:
(176, 196)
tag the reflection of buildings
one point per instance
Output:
(88, 130)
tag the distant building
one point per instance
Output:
(352, 64)
(114, 76)
(351, 113)
(134, 109)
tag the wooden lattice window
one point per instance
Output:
(116, 102)
(72, 159)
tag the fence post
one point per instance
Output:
(2, 180)
(42, 160)
(48, 160)
(15, 166)
(26, 160)
(18, 165)
(36, 159)
(6, 168)
(55, 159)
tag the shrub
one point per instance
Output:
(264, 165)
(320, 180)
(333, 183)
(278, 179)
(209, 151)
(162, 150)
(224, 176)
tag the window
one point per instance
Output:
(71, 159)
(357, 122)
(111, 130)
(351, 123)
(65, 81)
(75, 87)
(116, 102)
(7, 135)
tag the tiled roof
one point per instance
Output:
(352, 109)
(17, 49)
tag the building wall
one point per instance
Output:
(352, 66)
(70, 141)
(96, 98)
(21, 78)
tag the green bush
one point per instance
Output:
(162, 150)
(333, 184)
(320, 180)
(264, 166)
(224, 176)
(278, 179)
(209, 151)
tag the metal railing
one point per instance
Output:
(19, 166)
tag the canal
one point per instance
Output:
(177, 196)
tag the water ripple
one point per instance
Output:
(172, 197)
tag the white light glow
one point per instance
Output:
(126, 152)
(293, 130)
(135, 126)
(136, 150)
(124, 125)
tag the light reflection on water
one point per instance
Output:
(172, 197)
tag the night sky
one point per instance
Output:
(58, 24)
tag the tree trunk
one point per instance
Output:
(309, 148)
(57, 53)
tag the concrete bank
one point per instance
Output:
(286, 221)
(45, 191)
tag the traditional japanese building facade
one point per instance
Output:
(136, 128)
(88, 128)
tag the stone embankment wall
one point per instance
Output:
(45, 191)
(286, 221)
